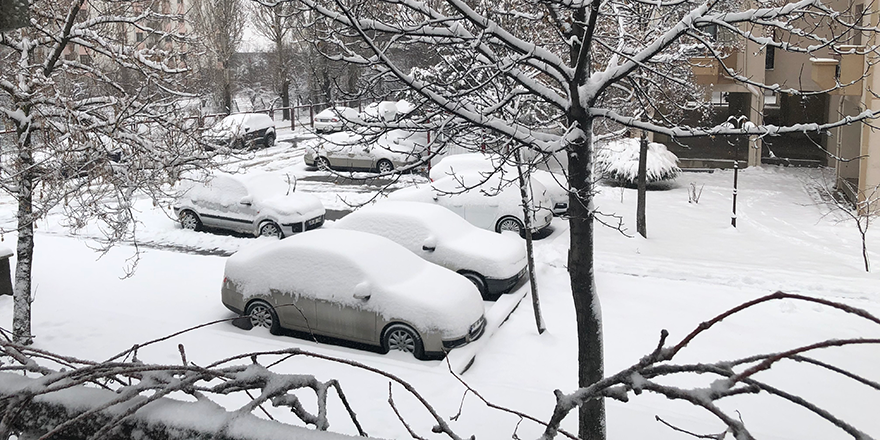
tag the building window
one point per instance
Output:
(139, 36)
(85, 59)
(770, 57)
(770, 98)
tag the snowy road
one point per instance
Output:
(693, 266)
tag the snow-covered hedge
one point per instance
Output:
(618, 161)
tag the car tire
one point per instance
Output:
(478, 281)
(189, 220)
(270, 140)
(322, 164)
(384, 166)
(270, 229)
(263, 315)
(402, 337)
(510, 224)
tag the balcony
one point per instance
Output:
(709, 70)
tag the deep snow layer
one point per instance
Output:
(693, 266)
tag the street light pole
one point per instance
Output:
(735, 179)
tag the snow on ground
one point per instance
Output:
(693, 266)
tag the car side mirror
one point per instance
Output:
(246, 200)
(247, 129)
(430, 244)
(362, 291)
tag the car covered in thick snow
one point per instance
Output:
(356, 287)
(334, 119)
(381, 153)
(493, 262)
(486, 201)
(554, 182)
(241, 130)
(259, 204)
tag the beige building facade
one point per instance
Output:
(840, 82)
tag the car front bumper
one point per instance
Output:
(497, 286)
(312, 223)
(477, 329)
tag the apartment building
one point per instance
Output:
(839, 82)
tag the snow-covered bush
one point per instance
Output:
(618, 161)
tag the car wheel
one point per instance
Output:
(270, 229)
(189, 220)
(403, 338)
(263, 315)
(478, 281)
(384, 166)
(270, 140)
(510, 224)
(322, 163)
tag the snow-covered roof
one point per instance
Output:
(5, 252)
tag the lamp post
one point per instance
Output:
(735, 179)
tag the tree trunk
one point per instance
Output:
(527, 218)
(227, 91)
(285, 99)
(583, 284)
(21, 297)
(641, 222)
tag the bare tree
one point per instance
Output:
(277, 24)
(90, 91)
(576, 60)
(220, 23)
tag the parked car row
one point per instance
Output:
(399, 275)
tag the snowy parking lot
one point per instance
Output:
(693, 266)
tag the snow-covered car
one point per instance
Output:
(350, 151)
(386, 111)
(334, 119)
(357, 287)
(554, 183)
(260, 204)
(493, 262)
(242, 130)
(490, 202)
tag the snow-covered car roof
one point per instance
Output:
(345, 112)
(255, 121)
(387, 110)
(402, 285)
(458, 244)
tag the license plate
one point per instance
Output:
(313, 221)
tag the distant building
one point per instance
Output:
(846, 65)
